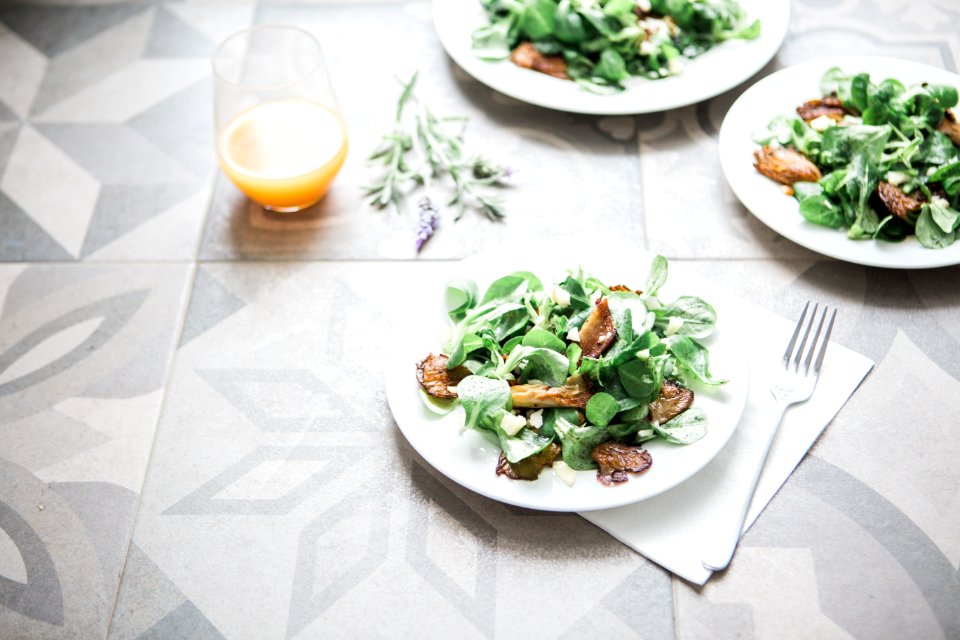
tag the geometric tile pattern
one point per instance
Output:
(477, 602)
(106, 116)
(194, 437)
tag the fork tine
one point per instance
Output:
(813, 345)
(796, 332)
(826, 341)
(803, 341)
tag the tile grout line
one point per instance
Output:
(213, 181)
(185, 300)
(676, 610)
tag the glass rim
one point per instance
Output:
(266, 87)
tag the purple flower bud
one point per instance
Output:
(428, 219)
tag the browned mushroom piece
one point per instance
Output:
(950, 127)
(597, 333)
(529, 468)
(829, 106)
(527, 56)
(786, 166)
(436, 379)
(623, 287)
(897, 202)
(672, 400)
(616, 460)
(537, 396)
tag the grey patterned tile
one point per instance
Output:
(568, 153)
(171, 37)
(118, 104)
(74, 438)
(836, 571)
(54, 29)
(93, 60)
(249, 459)
(154, 607)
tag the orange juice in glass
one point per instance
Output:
(280, 136)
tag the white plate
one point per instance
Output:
(470, 460)
(780, 93)
(716, 71)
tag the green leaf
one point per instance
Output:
(859, 91)
(573, 356)
(657, 276)
(611, 66)
(578, 443)
(544, 364)
(694, 358)
(835, 81)
(749, 32)
(438, 406)
(538, 18)
(944, 172)
(930, 234)
(550, 417)
(492, 42)
(467, 344)
(509, 288)
(506, 320)
(804, 190)
(601, 408)
(944, 94)
(686, 428)
(642, 378)
(821, 210)
(526, 443)
(538, 337)
(699, 318)
(945, 217)
(484, 400)
(619, 8)
(461, 296)
(568, 26)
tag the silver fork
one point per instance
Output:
(792, 384)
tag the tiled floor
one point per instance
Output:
(194, 438)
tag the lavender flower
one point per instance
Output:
(428, 219)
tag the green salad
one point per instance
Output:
(879, 160)
(576, 377)
(601, 43)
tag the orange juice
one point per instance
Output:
(285, 153)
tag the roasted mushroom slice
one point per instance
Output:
(537, 396)
(527, 56)
(671, 402)
(597, 333)
(786, 166)
(436, 379)
(897, 202)
(623, 287)
(528, 468)
(616, 460)
(829, 106)
(950, 127)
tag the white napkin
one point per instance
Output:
(674, 528)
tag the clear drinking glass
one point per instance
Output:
(280, 134)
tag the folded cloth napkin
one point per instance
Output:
(675, 528)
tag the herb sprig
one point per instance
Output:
(424, 149)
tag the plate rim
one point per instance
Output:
(398, 384)
(821, 240)
(601, 105)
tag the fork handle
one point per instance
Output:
(721, 552)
